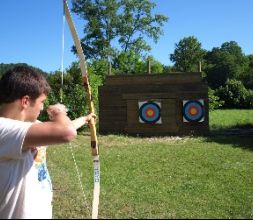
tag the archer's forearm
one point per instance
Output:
(79, 122)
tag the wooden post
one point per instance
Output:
(200, 70)
(149, 65)
(109, 68)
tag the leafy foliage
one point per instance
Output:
(226, 62)
(114, 24)
(131, 63)
(214, 100)
(187, 54)
(235, 95)
(74, 96)
(228, 71)
(247, 76)
(6, 67)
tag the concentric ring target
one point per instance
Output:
(193, 111)
(149, 112)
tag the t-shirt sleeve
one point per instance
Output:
(12, 135)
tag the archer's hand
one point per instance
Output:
(88, 117)
(53, 110)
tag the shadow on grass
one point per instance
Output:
(238, 136)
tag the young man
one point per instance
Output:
(25, 185)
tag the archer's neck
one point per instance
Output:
(11, 111)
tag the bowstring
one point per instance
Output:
(61, 99)
(79, 178)
(62, 55)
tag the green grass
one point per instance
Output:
(169, 177)
(224, 119)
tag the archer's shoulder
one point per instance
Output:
(8, 123)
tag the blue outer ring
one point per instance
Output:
(197, 105)
(156, 108)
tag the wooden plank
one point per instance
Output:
(194, 131)
(112, 115)
(132, 112)
(148, 96)
(112, 125)
(112, 130)
(112, 103)
(154, 79)
(110, 96)
(108, 108)
(138, 94)
(151, 130)
(193, 96)
(149, 89)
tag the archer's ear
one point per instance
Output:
(25, 101)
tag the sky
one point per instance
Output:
(32, 30)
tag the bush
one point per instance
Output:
(214, 100)
(74, 96)
(235, 95)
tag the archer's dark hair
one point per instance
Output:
(21, 81)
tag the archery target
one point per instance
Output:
(150, 112)
(193, 110)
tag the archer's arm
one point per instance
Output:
(58, 130)
(79, 122)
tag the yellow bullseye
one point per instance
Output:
(193, 111)
(150, 113)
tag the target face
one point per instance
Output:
(193, 110)
(150, 112)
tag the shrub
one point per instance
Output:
(214, 100)
(235, 95)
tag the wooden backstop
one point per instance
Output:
(154, 105)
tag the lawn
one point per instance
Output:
(166, 177)
(224, 119)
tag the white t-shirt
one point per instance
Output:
(25, 185)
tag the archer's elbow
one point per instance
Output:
(69, 134)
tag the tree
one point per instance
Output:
(137, 21)
(224, 63)
(132, 63)
(156, 66)
(74, 95)
(114, 24)
(6, 67)
(250, 58)
(187, 54)
(247, 77)
(128, 63)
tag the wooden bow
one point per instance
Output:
(92, 124)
